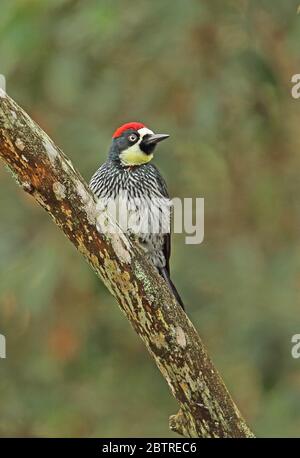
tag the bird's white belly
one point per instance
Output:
(140, 216)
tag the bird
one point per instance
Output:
(129, 180)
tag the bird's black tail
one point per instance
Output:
(164, 273)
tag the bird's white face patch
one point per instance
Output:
(134, 155)
(145, 131)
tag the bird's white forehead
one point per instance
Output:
(144, 131)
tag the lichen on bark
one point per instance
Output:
(43, 170)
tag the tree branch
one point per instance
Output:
(42, 169)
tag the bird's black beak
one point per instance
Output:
(154, 138)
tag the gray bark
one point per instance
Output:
(43, 170)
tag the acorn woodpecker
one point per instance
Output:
(128, 181)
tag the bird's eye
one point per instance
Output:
(132, 137)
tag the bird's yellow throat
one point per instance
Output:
(134, 156)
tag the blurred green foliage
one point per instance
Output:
(216, 76)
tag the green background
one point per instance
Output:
(216, 75)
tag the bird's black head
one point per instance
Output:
(133, 144)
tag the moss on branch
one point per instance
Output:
(43, 170)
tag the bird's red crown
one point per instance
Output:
(128, 125)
